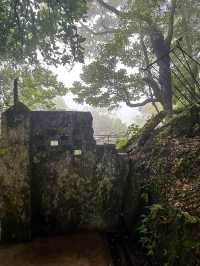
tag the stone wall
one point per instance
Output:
(78, 192)
(46, 186)
(72, 130)
(15, 174)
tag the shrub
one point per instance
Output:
(170, 237)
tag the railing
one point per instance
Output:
(106, 138)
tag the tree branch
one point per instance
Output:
(117, 12)
(154, 85)
(144, 49)
(147, 133)
(152, 89)
(171, 23)
(108, 31)
(150, 100)
(109, 7)
(149, 129)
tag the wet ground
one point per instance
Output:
(81, 249)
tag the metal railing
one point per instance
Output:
(107, 138)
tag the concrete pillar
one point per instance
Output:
(15, 192)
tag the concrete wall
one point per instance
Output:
(72, 130)
(78, 192)
(15, 174)
(48, 188)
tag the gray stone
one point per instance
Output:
(15, 174)
(53, 176)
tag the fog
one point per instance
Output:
(126, 114)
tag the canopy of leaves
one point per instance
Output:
(38, 87)
(127, 36)
(35, 29)
(105, 86)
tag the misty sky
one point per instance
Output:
(125, 113)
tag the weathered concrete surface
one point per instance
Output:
(78, 192)
(70, 191)
(15, 174)
(81, 249)
(132, 197)
(48, 188)
(72, 130)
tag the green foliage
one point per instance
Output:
(104, 85)
(132, 133)
(38, 86)
(30, 30)
(114, 76)
(169, 230)
(3, 152)
(170, 237)
(186, 166)
(183, 123)
(121, 142)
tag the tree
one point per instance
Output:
(34, 29)
(38, 87)
(143, 31)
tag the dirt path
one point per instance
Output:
(81, 249)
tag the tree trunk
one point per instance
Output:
(147, 133)
(162, 50)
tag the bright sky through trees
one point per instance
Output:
(125, 113)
